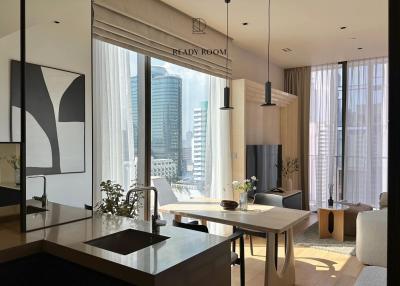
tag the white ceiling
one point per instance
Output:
(41, 12)
(309, 27)
(9, 17)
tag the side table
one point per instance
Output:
(331, 221)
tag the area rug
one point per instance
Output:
(310, 238)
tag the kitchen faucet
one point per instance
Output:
(155, 218)
(43, 198)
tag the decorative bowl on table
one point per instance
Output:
(229, 205)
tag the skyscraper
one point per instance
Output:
(199, 143)
(166, 115)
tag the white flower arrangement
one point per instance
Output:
(245, 185)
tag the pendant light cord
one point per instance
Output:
(227, 41)
(269, 33)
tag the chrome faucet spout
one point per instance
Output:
(43, 198)
(155, 218)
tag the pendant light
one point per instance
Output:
(268, 87)
(227, 91)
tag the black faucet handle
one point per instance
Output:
(157, 221)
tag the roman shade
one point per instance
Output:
(153, 28)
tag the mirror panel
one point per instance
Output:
(10, 182)
(9, 51)
(58, 112)
(10, 189)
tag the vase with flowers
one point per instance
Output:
(288, 168)
(243, 187)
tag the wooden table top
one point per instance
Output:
(257, 217)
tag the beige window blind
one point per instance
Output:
(153, 28)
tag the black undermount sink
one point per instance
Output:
(33, 210)
(127, 241)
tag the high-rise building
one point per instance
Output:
(165, 168)
(166, 115)
(187, 163)
(199, 143)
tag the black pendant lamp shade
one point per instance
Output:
(227, 90)
(227, 95)
(268, 95)
(268, 87)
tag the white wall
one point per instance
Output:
(250, 66)
(262, 124)
(9, 49)
(66, 46)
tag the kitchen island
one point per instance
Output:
(185, 257)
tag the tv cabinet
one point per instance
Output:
(288, 199)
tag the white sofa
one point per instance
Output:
(371, 238)
(371, 245)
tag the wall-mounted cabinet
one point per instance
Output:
(252, 124)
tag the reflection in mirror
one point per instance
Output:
(9, 51)
(58, 112)
(10, 193)
(10, 188)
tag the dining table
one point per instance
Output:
(264, 218)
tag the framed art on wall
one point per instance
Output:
(55, 119)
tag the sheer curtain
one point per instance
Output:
(366, 143)
(218, 153)
(323, 143)
(113, 128)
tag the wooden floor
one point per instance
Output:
(313, 266)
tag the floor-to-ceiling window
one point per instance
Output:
(189, 134)
(348, 131)
(366, 132)
(181, 130)
(179, 104)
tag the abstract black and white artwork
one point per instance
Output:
(55, 118)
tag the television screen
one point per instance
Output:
(262, 161)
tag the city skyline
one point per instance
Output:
(166, 119)
(195, 87)
(179, 122)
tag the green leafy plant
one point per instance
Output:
(245, 185)
(289, 167)
(114, 203)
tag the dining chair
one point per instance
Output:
(263, 199)
(235, 258)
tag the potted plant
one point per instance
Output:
(114, 203)
(15, 163)
(243, 187)
(288, 168)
